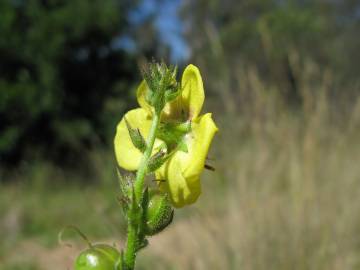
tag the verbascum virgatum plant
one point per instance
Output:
(166, 137)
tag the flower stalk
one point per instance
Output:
(175, 149)
(141, 173)
(134, 228)
(165, 137)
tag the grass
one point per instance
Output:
(285, 195)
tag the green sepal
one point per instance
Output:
(143, 244)
(173, 134)
(159, 102)
(136, 137)
(171, 95)
(119, 264)
(134, 212)
(156, 161)
(144, 204)
(174, 89)
(125, 183)
(182, 146)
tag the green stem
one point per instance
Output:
(133, 236)
(141, 173)
(131, 246)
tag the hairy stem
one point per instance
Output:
(141, 173)
(134, 233)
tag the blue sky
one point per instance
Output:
(167, 23)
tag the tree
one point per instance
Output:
(64, 77)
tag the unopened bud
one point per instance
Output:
(136, 137)
(159, 213)
(162, 83)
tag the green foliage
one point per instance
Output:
(63, 79)
(276, 38)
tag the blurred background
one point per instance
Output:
(282, 80)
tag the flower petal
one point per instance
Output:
(192, 95)
(182, 191)
(203, 131)
(182, 172)
(140, 95)
(127, 155)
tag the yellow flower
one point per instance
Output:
(182, 170)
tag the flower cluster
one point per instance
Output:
(182, 139)
(166, 137)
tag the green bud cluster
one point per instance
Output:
(162, 84)
(155, 212)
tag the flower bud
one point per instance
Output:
(159, 213)
(98, 257)
(162, 84)
(136, 137)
